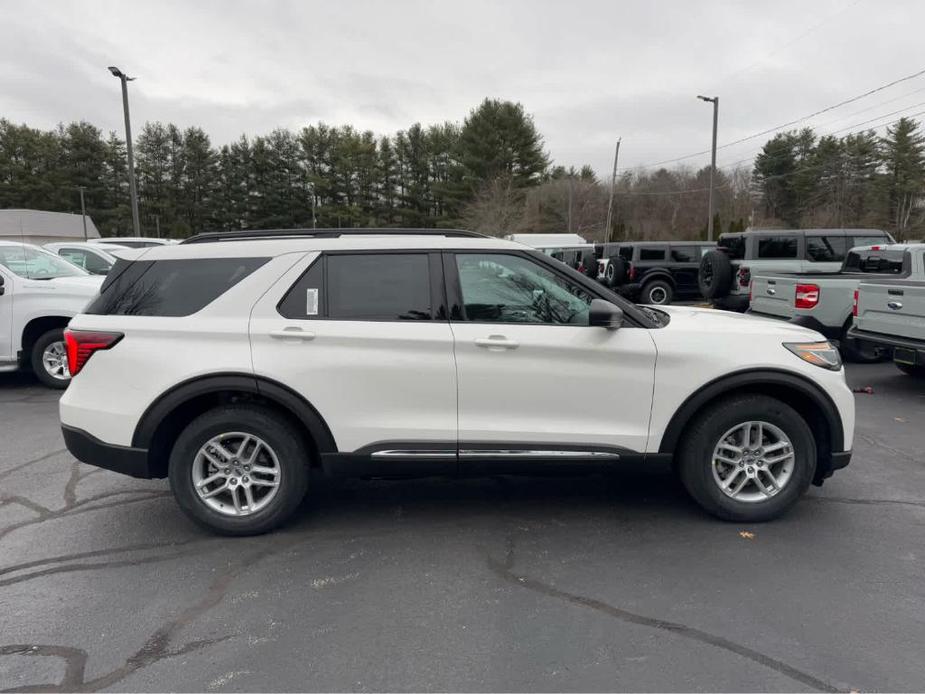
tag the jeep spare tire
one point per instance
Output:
(715, 275)
(589, 262)
(615, 274)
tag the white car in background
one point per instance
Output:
(134, 241)
(39, 293)
(95, 258)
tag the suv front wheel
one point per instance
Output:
(748, 459)
(239, 470)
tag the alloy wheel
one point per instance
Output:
(753, 461)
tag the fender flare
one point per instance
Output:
(272, 390)
(743, 379)
(658, 275)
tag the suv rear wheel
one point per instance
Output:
(239, 470)
(49, 359)
(657, 292)
(748, 459)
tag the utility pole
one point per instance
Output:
(125, 79)
(571, 185)
(157, 225)
(715, 101)
(613, 183)
(83, 209)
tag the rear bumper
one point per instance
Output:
(883, 340)
(89, 449)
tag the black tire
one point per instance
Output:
(658, 292)
(55, 335)
(589, 261)
(715, 275)
(705, 432)
(916, 371)
(857, 351)
(615, 274)
(281, 436)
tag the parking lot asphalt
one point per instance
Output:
(489, 584)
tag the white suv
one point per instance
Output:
(242, 364)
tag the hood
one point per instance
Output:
(708, 319)
(85, 285)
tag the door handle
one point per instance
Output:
(292, 334)
(895, 305)
(496, 342)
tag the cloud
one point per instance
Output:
(588, 71)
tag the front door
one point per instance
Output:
(534, 378)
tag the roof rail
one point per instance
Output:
(255, 234)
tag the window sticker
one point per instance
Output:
(311, 302)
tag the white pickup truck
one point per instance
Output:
(890, 312)
(823, 301)
(39, 293)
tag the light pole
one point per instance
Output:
(125, 79)
(715, 101)
(83, 209)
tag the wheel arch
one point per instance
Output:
(162, 421)
(660, 274)
(808, 399)
(35, 328)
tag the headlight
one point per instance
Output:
(822, 354)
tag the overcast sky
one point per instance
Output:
(588, 72)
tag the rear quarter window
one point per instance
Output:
(778, 247)
(169, 287)
(651, 253)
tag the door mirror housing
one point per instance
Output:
(603, 314)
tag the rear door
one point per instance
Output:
(685, 265)
(363, 337)
(533, 375)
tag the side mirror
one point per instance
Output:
(2, 282)
(604, 314)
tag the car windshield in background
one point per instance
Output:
(34, 264)
(886, 262)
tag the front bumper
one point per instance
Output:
(89, 449)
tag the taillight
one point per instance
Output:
(744, 275)
(600, 267)
(751, 287)
(81, 344)
(807, 296)
(632, 272)
(854, 304)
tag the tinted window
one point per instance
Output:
(875, 261)
(169, 287)
(626, 252)
(651, 253)
(777, 247)
(306, 297)
(378, 286)
(734, 246)
(826, 249)
(684, 254)
(513, 289)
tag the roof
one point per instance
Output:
(834, 230)
(548, 240)
(18, 223)
(271, 247)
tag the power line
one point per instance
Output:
(791, 123)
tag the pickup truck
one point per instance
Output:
(39, 293)
(726, 272)
(890, 312)
(824, 301)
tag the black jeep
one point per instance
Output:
(652, 272)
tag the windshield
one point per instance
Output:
(35, 264)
